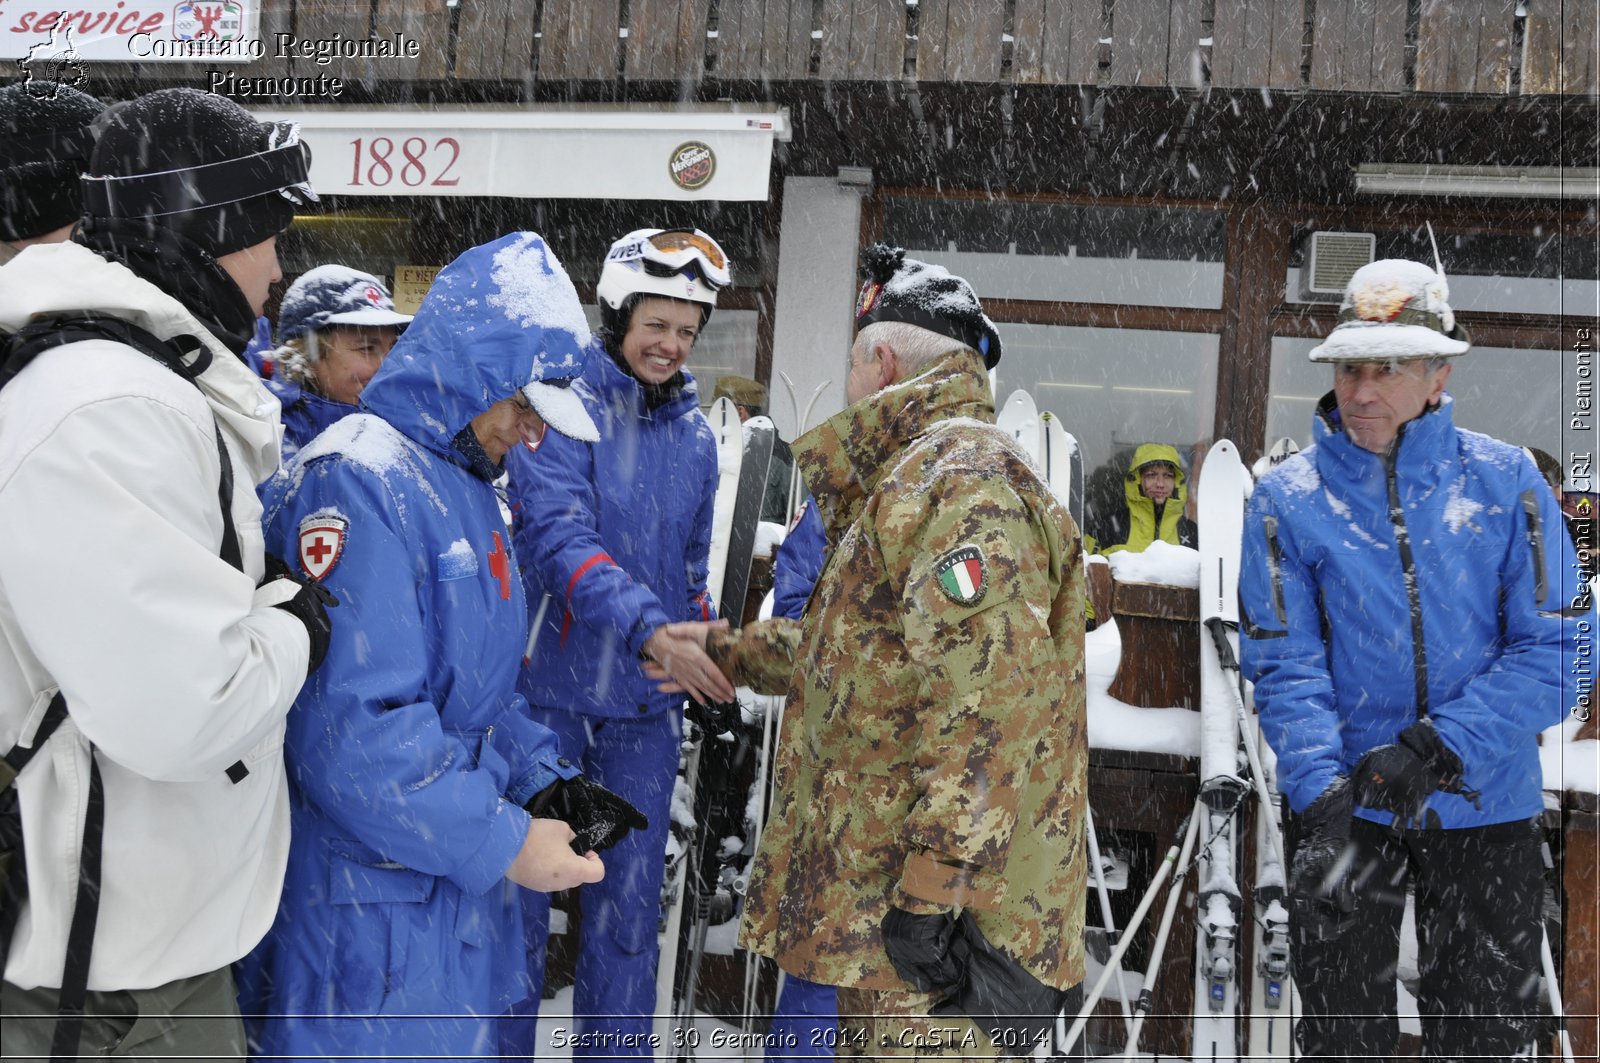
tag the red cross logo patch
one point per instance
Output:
(500, 567)
(321, 543)
(373, 295)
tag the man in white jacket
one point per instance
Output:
(130, 553)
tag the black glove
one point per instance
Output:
(919, 948)
(714, 717)
(309, 605)
(1400, 777)
(597, 816)
(998, 994)
(1320, 889)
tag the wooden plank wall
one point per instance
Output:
(960, 40)
(1465, 45)
(1057, 42)
(1449, 46)
(764, 39)
(1560, 56)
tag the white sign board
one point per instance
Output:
(52, 35)
(534, 154)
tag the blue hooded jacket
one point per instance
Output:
(409, 751)
(1375, 589)
(614, 536)
(305, 414)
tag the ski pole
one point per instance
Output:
(1146, 999)
(1175, 855)
(770, 728)
(1225, 657)
(1105, 913)
(1548, 962)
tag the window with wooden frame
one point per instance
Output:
(1110, 312)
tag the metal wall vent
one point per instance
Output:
(1330, 261)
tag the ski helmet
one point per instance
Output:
(673, 263)
(1397, 310)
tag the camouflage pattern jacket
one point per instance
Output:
(934, 749)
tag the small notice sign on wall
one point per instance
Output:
(411, 283)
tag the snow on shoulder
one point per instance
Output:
(1160, 562)
(534, 289)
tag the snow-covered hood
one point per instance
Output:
(498, 318)
(68, 278)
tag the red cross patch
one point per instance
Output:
(500, 567)
(321, 543)
(373, 296)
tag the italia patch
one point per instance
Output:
(322, 540)
(963, 575)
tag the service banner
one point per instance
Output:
(48, 36)
(566, 153)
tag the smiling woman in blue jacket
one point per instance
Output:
(614, 537)
(411, 756)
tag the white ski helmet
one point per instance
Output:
(675, 263)
(1394, 309)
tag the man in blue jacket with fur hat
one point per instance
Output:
(1406, 589)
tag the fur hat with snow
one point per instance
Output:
(898, 288)
(1394, 309)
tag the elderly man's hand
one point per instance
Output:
(677, 657)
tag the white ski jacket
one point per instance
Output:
(173, 664)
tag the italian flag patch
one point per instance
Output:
(962, 575)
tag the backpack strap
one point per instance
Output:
(14, 885)
(85, 915)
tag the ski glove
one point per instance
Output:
(919, 948)
(597, 816)
(1320, 891)
(309, 605)
(1400, 777)
(998, 994)
(714, 717)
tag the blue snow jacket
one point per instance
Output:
(305, 414)
(409, 751)
(1437, 580)
(799, 563)
(614, 538)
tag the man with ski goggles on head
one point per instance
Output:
(614, 537)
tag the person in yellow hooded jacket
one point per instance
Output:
(1157, 492)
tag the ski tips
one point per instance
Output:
(1438, 263)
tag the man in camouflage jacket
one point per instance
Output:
(924, 851)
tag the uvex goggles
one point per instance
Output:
(284, 167)
(674, 251)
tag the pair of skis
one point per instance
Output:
(701, 878)
(1051, 446)
(1227, 730)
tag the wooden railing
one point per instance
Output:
(1484, 47)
